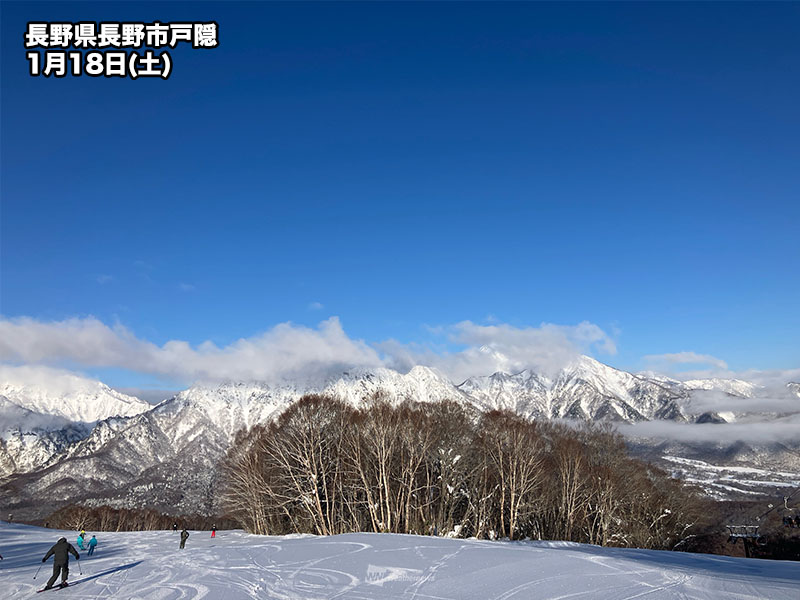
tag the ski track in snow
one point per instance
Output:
(238, 566)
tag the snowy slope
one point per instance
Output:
(421, 384)
(725, 481)
(237, 566)
(29, 439)
(524, 393)
(734, 387)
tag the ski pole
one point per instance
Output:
(79, 568)
(37, 571)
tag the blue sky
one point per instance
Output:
(408, 167)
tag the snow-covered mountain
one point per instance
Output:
(166, 456)
(586, 389)
(29, 440)
(69, 396)
(45, 411)
(421, 384)
(734, 387)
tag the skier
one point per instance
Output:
(175, 527)
(60, 552)
(92, 544)
(80, 540)
(184, 537)
(213, 531)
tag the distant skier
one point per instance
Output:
(10, 518)
(175, 527)
(60, 552)
(80, 540)
(184, 537)
(213, 531)
(92, 544)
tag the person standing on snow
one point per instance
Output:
(213, 531)
(60, 553)
(92, 544)
(175, 527)
(184, 537)
(80, 540)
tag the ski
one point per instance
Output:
(55, 587)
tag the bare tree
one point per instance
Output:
(514, 449)
(244, 480)
(304, 447)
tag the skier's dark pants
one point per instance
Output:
(183, 544)
(91, 550)
(63, 569)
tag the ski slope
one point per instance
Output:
(235, 565)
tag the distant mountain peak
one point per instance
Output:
(84, 400)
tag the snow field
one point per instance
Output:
(237, 566)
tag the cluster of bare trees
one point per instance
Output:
(436, 468)
(106, 518)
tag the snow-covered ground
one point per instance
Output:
(235, 565)
(722, 481)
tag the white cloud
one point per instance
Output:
(288, 350)
(785, 429)
(103, 279)
(59, 382)
(491, 348)
(686, 358)
(778, 399)
(316, 306)
(285, 351)
(770, 378)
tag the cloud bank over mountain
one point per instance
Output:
(285, 351)
(289, 351)
(783, 430)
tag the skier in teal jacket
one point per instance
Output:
(92, 544)
(80, 541)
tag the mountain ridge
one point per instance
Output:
(166, 456)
